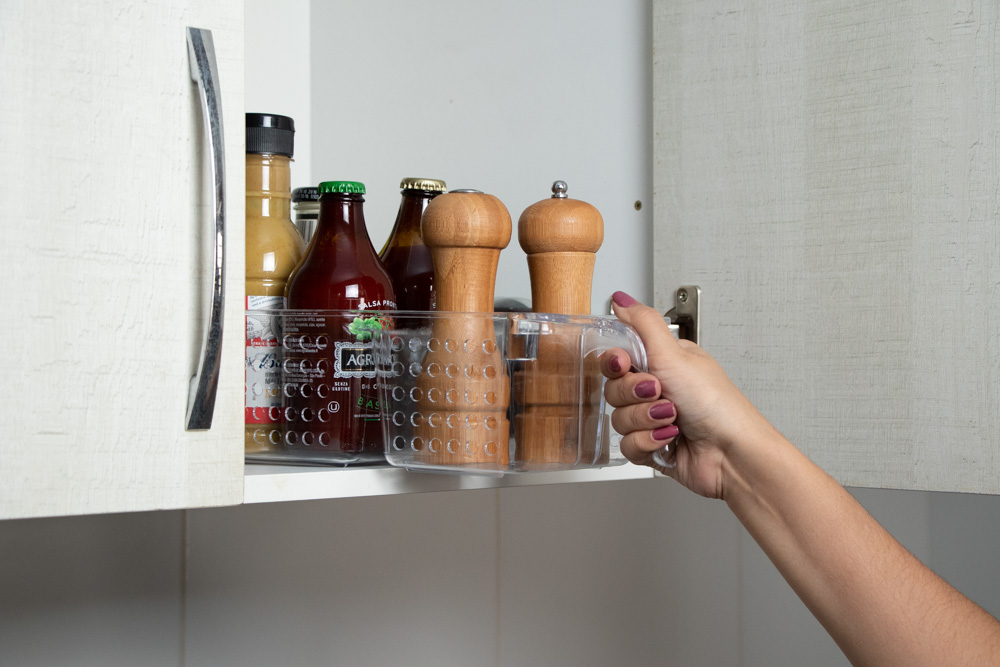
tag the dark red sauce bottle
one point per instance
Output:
(330, 390)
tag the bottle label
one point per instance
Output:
(329, 380)
(354, 359)
(263, 360)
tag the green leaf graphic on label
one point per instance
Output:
(362, 328)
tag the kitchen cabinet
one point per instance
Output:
(827, 172)
(108, 223)
(106, 181)
(853, 237)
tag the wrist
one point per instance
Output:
(750, 459)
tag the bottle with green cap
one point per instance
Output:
(331, 406)
(405, 256)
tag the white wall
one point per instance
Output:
(93, 590)
(501, 97)
(629, 573)
(279, 71)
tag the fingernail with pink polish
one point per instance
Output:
(661, 411)
(646, 389)
(622, 299)
(614, 364)
(666, 432)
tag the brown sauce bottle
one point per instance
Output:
(273, 248)
(330, 392)
(406, 258)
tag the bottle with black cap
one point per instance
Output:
(273, 248)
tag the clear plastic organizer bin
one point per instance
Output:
(497, 393)
(488, 393)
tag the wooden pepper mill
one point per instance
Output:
(464, 389)
(556, 424)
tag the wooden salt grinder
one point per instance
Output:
(464, 383)
(560, 236)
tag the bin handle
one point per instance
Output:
(685, 321)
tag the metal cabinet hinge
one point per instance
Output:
(685, 316)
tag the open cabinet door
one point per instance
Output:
(109, 256)
(828, 174)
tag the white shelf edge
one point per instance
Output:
(276, 483)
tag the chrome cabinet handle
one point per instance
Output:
(205, 383)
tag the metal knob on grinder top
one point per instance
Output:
(561, 237)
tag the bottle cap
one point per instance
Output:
(305, 194)
(428, 184)
(341, 187)
(270, 134)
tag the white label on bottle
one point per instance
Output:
(263, 360)
(353, 360)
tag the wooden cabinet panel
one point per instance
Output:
(105, 260)
(827, 172)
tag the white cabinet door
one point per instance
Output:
(107, 225)
(828, 173)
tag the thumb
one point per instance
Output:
(651, 326)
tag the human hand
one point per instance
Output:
(710, 415)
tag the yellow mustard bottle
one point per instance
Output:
(273, 248)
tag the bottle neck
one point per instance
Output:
(342, 218)
(406, 230)
(411, 208)
(269, 186)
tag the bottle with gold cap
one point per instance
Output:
(405, 257)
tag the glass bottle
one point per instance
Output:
(273, 248)
(330, 389)
(306, 201)
(406, 258)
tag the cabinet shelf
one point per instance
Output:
(279, 483)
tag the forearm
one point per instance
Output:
(879, 603)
